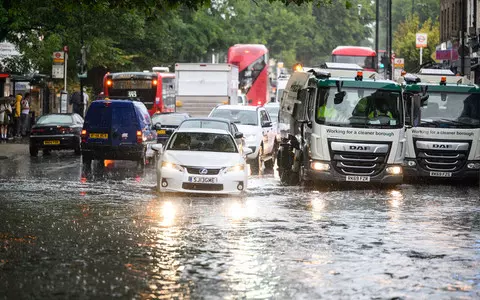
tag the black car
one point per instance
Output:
(216, 123)
(56, 132)
(167, 123)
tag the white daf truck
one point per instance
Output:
(444, 139)
(336, 132)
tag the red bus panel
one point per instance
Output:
(252, 62)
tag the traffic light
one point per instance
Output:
(297, 67)
(82, 63)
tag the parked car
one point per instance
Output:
(217, 123)
(255, 123)
(56, 132)
(166, 123)
(201, 160)
(118, 130)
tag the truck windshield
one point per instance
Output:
(354, 107)
(454, 110)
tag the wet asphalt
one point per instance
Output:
(71, 233)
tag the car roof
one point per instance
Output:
(203, 130)
(238, 107)
(223, 120)
(170, 114)
(272, 104)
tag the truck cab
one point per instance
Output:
(443, 140)
(341, 129)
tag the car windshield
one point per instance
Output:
(242, 117)
(451, 110)
(168, 119)
(201, 141)
(205, 124)
(273, 111)
(354, 107)
(55, 119)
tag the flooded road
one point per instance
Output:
(105, 233)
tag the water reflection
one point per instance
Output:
(168, 214)
(238, 210)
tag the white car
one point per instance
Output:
(257, 127)
(201, 160)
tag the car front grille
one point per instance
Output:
(202, 186)
(198, 171)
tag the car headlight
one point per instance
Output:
(394, 170)
(172, 166)
(235, 168)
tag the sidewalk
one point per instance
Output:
(14, 147)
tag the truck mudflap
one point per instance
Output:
(331, 175)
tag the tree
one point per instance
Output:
(404, 41)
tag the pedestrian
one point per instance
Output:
(5, 109)
(85, 102)
(16, 116)
(25, 111)
(11, 117)
(77, 103)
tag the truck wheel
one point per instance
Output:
(256, 163)
(270, 164)
(288, 177)
(33, 151)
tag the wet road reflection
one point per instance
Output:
(72, 232)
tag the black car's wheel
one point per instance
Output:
(256, 163)
(46, 152)
(78, 149)
(33, 151)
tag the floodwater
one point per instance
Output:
(66, 232)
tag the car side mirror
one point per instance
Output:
(157, 147)
(267, 124)
(247, 151)
(238, 135)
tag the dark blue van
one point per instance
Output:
(117, 130)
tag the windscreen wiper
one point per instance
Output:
(432, 123)
(455, 122)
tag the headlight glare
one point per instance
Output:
(394, 170)
(235, 168)
(319, 166)
(172, 166)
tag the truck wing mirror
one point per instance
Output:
(339, 97)
(416, 111)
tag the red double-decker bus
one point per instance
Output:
(362, 56)
(252, 62)
(155, 89)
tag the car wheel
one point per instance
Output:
(256, 163)
(288, 177)
(86, 160)
(46, 152)
(33, 151)
(78, 149)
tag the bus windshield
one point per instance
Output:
(362, 61)
(451, 110)
(141, 88)
(356, 107)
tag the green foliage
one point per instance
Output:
(404, 41)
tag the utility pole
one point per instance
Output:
(389, 39)
(377, 12)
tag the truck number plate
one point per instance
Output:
(359, 178)
(196, 179)
(441, 174)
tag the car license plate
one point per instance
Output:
(99, 135)
(56, 142)
(163, 131)
(441, 174)
(358, 178)
(196, 179)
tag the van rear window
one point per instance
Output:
(106, 116)
(123, 116)
(100, 116)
